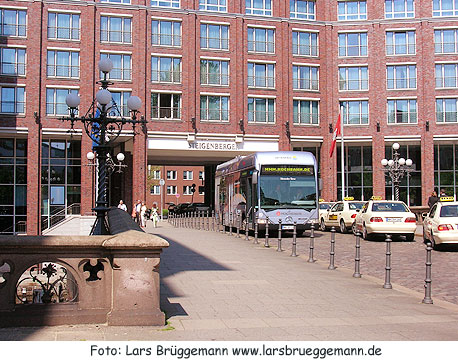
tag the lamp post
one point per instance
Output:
(103, 123)
(396, 168)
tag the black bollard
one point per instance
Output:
(247, 230)
(312, 243)
(427, 299)
(294, 246)
(238, 223)
(279, 236)
(230, 223)
(208, 221)
(357, 274)
(213, 220)
(256, 229)
(332, 252)
(266, 242)
(388, 263)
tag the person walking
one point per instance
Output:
(143, 209)
(122, 205)
(137, 209)
(432, 199)
(154, 216)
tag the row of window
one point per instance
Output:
(173, 190)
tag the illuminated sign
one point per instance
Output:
(287, 170)
(213, 145)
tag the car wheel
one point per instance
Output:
(343, 228)
(410, 237)
(353, 228)
(322, 225)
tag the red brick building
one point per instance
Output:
(225, 77)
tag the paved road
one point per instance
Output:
(219, 287)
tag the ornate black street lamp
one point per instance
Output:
(103, 123)
(396, 168)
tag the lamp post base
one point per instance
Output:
(100, 226)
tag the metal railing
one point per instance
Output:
(54, 219)
(19, 227)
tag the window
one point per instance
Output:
(402, 111)
(305, 78)
(352, 44)
(165, 69)
(172, 175)
(115, 29)
(446, 75)
(446, 41)
(302, 9)
(446, 168)
(166, 3)
(157, 174)
(261, 110)
(213, 5)
(166, 33)
(398, 43)
(353, 78)
(122, 66)
(213, 36)
(55, 100)
(258, 7)
(63, 26)
(261, 75)
(12, 61)
(352, 10)
(165, 106)
(401, 77)
(13, 185)
(305, 112)
(63, 64)
(12, 100)
(187, 190)
(171, 190)
(201, 175)
(261, 40)
(13, 23)
(187, 175)
(155, 190)
(446, 110)
(119, 98)
(399, 9)
(116, 1)
(445, 8)
(355, 112)
(214, 108)
(201, 190)
(305, 44)
(214, 72)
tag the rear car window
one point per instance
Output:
(389, 207)
(356, 205)
(449, 211)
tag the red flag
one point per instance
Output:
(334, 136)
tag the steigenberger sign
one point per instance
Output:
(213, 146)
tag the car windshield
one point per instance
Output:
(449, 211)
(355, 205)
(325, 206)
(389, 207)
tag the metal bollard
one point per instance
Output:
(357, 274)
(207, 225)
(266, 242)
(256, 227)
(200, 220)
(312, 243)
(247, 230)
(294, 247)
(279, 236)
(230, 223)
(427, 299)
(332, 252)
(238, 224)
(213, 220)
(388, 263)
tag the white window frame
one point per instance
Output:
(171, 174)
(363, 84)
(54, 66)
(155, 190)
(166, 3)
(187, 175)
(442, 100)
(122, 106)
(205, 41)
(18, 110)
(311, 49)
(407, 12)
(206, 77)
(441, 79)
(265, 10)
(439, 11)
(360, 114)
(309, 14)
(54, 103)
(362, 44)
(124, 2)
(267, 80)
(53, 33)
(20, 29)
(187, 191)
(159, 38)
(267, 46)
(220, 6)
(171, 190)
(108, 37)
(440, 45)
(311, 118)
(412, 117)
(310, 83)
(206, 112)
(172, 76)
(345, 15)
(409, 77)
(392, 49)
(270, 116)
(175, 112)
(125, 71)
(18, 66)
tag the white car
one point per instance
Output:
(386, 217)
(440, 225)
(342, 215)
(323, 207)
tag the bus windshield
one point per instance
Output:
(287, 188)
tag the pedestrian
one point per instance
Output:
(122, 205)
(137, 209)
(442, 194)
(432, 199)
(143, 209)
(154, 216)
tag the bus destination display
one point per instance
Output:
(287, 170)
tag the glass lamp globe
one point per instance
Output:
(90, 155)
(120, 157)
(390, 162)
(402, 161)
(72, 100)
(103, 96)
(105, 65)
(134, 103)
(384, 162)
(396, 146)
(409, 162)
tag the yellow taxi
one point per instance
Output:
(323, 207)
(440, 225)
(341, 215)
(386, 217)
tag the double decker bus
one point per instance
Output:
(268, 186)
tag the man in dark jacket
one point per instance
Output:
(432, 199)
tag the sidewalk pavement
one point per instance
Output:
(220, 287)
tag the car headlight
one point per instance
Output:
(262, 221)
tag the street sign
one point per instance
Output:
(177, 195)
(161, 182)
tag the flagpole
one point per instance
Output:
(342, 151)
